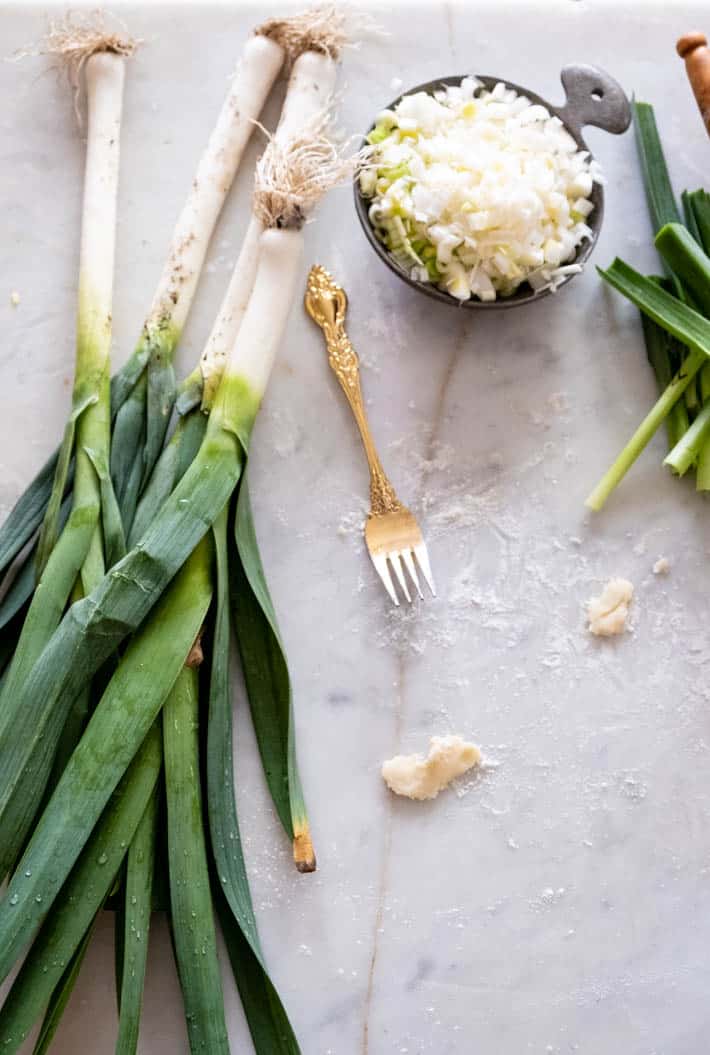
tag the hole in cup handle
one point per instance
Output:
(593, 98)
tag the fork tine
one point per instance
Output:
(420, 552)
(412, 569)
(399, 572)
(380, 562)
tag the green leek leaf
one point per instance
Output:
(81, 897)
(50, 524)
(60, 997)
(94, 627)
(190, 897)
(114, 540)
(267, 681)
(659, 192)
(127, 442)
(140, 868)
(268, 1023)
(118, 726)
(687, 260)
(675, 318)
(28, 512)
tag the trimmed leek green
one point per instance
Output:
(268, 682)
(689, 216)
(677, 318)
(194, 932)
(683, 253)
(81, 898)
(664, 359)
(696, 210)
(662, 204)
(686, 451)
(702, 467)
(684, 323)
(699, 206)
(118, 726)
(687, 260)
(140, 867)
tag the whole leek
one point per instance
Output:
(92, 536)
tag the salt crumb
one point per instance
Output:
(417, 777)
(14, 298)
(396, 83)
(662, 566)
(607, 614)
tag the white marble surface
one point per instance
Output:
(559, 902)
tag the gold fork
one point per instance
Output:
(392, 534)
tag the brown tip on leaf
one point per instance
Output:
(303, 854)
(320, 29)
(292, 177)
(195, 656)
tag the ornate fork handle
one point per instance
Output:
(326, 303)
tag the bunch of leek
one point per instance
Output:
(197, 558)
(676, 320)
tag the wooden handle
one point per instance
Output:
(693, 48)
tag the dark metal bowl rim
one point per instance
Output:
(524, 294)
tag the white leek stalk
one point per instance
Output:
(262, 59)
(318, 32)
(291, 178)
(104, 87)
(308, 97)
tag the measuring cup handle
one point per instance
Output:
(593, 98)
